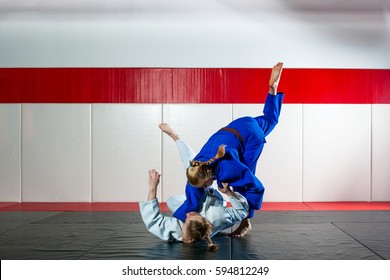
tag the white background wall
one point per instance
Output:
(101, 152)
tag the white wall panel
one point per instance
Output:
(195, 124)
(126, 143)
(381, 152)
(56, 159)
(280, 164)
(56, 150)
(10, 152)
(336, 152)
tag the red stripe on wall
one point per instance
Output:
(191, 85)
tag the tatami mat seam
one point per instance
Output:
(357, 240)
(102, 242)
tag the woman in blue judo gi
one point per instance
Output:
(230, 155)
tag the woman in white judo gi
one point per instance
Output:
(212, 216)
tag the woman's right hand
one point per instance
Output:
(225, 188)
(154, 178)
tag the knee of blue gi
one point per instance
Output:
(253, 207)
(251, 214)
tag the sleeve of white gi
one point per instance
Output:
(165, 228)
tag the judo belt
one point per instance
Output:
(235, 132)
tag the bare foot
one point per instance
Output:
(166, 128)
(275, 75)
(244, 227)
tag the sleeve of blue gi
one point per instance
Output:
(193, 197)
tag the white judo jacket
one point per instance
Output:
(212, 206)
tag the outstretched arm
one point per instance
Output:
(227, 190)
(191, 204)
(165, 228)
(154, 180)
(240, 207)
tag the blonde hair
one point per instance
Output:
(201, 170)
(196, 230)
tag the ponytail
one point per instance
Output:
(196, 230)
(220, 154)
(211, 246)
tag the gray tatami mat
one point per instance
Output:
(281, 235)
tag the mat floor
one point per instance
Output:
(275, 235)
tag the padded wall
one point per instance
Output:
(84, 85)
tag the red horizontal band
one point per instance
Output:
(191, 85)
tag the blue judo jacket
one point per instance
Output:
(238, 166)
